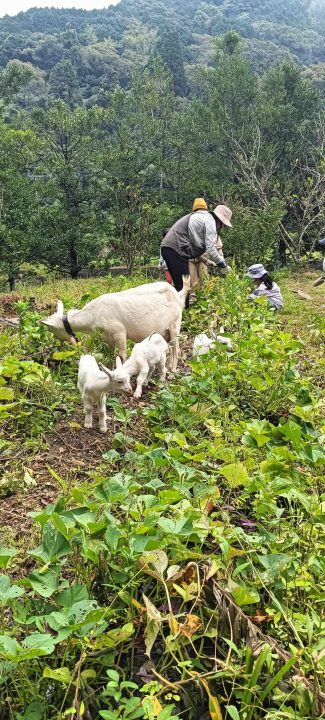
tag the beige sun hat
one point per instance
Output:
(224, 214)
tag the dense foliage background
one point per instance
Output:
(112, 121)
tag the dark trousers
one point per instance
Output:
(177, 267)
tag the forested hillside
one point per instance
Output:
(112, 121)
(105, 46)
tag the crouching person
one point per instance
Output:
(265, 286)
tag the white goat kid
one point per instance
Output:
(93, 385)
(132, 314)
(202, 343)
(146, 356)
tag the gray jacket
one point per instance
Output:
(193, 235)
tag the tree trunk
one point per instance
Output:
(74, 267)
(282, 253)
(11, 282)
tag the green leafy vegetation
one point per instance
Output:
(184, 573)
(174, 567)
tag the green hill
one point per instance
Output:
(105, 46)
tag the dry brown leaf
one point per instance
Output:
(185, 576)
(260, 617)
(210, 507)
(191, 626)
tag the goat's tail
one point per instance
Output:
(185, 290)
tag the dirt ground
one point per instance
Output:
(72, 452)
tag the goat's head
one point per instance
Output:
(119, 379)
(54, 324)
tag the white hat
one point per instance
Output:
(224, 214)
(256, 271)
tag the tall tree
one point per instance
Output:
(64, 83)
(170, 50)
(18, 200)
(66, 228)
(136, 160)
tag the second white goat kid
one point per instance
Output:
(94, 385)
(202, 343)
(146, 356)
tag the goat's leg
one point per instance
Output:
(88, 410)
(149, 376)
(142, 377)
(102, 414)
(173, 355)
(118, 339)
(162, 369)
(174, 346)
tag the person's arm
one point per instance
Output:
(203, 259)
(211, 238)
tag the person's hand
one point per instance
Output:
(226, 270)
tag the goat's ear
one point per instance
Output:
(105, 370)
(60, 309)
(118, 362)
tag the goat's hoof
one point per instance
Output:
(103, 429)
(88, 426)
(137, 396)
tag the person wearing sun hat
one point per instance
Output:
(265, 286)
(192, 236)
(199, 204)
(197, 266)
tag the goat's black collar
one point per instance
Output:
(68, 327)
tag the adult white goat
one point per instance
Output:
(146, 356)
(93, 385)
(130, 314)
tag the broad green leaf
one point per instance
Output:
(9, 647)
(242, 594)
(5, 555)
(74, 594)
(112, 537)
(6, 393)
(4, 409)
(61, 674)
(176, 527)
(44, 584)
(35, 711)
(113, 675)
(54, 543)
(64, 354)
(233, 712)
(275, 563)
(35, 645)
(236, 474)
(292, 432)
(8, 592)
(113, 637)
